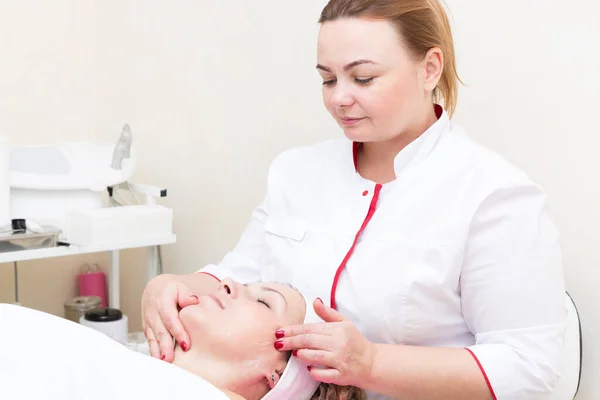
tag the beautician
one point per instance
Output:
(438, 265)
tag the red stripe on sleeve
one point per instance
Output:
(487, 380)
(209, 274)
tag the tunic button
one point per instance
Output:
(366, 192)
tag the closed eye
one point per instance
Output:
(360, 81)
(363, 81)
(263, 302)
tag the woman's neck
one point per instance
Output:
(376, 159)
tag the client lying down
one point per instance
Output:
(47, 357)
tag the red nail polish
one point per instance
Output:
(309, 368)
(295, 353)
(318, 298)
(163, 357)
(278, 345)
(184, 346)
(279, 334)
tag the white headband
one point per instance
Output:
(296, 382)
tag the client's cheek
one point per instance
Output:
(264, 345)
(260, 347)
(192, 318)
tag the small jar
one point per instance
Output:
(76, 307)
(110, 321)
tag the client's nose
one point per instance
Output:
(229, 287)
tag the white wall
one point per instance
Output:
(48, 70)
(213, 90)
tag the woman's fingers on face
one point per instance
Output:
(160, 341)
(161, 317)
(327, 375)
(304, 329)
(152, 343)
(166, 344)
(175, 328)
(151, 324)
(323, 358)
(315, 341)
(185, 296)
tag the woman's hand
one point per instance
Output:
(339, 352)
(162, 299)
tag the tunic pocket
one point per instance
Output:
(285, 248)
(291, 228)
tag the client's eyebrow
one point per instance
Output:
(269, 289)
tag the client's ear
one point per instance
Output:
(272, 377)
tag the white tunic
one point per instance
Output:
(457, 251)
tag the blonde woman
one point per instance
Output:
(438, 262)
(51, 358)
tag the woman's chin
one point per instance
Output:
(357, 134)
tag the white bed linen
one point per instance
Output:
(47, 357)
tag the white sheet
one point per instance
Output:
(46, 357)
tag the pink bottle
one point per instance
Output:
(92, 282)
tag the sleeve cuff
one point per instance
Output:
(217, 272)
(209, 274)
(487, 379)
(493, 360)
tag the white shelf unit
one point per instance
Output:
(150, 193)
(113, 248)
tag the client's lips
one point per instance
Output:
(217, 300)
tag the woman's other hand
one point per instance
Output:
(162, 299)
(340, 353)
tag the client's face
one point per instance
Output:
(233, 330)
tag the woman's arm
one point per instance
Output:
(408, 372)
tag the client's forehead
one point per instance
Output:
(279, 286)
(295, 300)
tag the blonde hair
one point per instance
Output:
(421, 24)
(328, 391)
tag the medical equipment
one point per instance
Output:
(14, 238)
(110, 321)
(92, 282)
(106, 225)
(46, 182)
(122, 149)
(76, 307)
